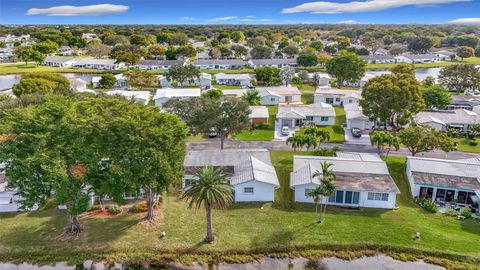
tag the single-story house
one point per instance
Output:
(59, 61)
(323, 78)
(273, 62)
(360, 83)
(204, 81)
(444, 120)
(142, 97)
(381, 51)
(120, 83)
(219, 64)
(336, 97)
(419, 58)
(93, 63)
(465, 102)
(445, 181)
(295, 116)
(163, 81)
(65, 50)
(267, 97)
(355, 117)
(280, 94)
(379, 59)
(250, 171)
(9, 200)
(258, 115)
(158, 64)
(165, 94)
(362, 180)
(243, 80)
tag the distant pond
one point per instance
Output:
(379, 262)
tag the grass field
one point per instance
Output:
(307, 98)
(263, 132)
(20, 68)
(241, 228)
(464, 146)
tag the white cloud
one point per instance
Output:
(324, 7)
(348, 22)
(187, 18)
(466, 21)
(92, 10)
(222, 19)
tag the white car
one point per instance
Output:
(285, 131)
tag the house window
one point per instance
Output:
(374, 196)
(337, 99)
(339, 196)
(248, 190)
(288, 98)
(331, 199)
(307, 192)
(324, 118)
(309, 118)
(272, 99)
(329, 100)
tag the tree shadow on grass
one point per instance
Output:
(331, 209)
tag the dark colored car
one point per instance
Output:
(356, 132)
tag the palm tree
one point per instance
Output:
(213, 191)
(382, 139)
(252, 97)
(321, 134)
(325, 189)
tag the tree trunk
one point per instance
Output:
(209, 238)
(102, 206)
(74, 225)
(150, 203)
(222, 139)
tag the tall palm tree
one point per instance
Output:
(212, 191)
(325, 189)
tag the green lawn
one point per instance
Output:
(471, 60)
(241, 229)
(19, 68)
(464, 146)
(226, 87)
(263, 132)
(307, 98)
(337, 134)
(305, 87)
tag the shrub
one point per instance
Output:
(427, 205)
(449, 211)
(139, 208)
(326, 152)
(473, 143)
(466, 213)
(452, 133)
(114, 209)
(95, 207)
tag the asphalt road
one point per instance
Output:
(279, 145)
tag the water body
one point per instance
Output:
(379, 262)
(7, 81)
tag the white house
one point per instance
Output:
(77, 84)
(93, 63)
(355, 117)
(258, 115)
(165, 94)
(163, 82)
(267, 97)
(295, 116)
(379, 59)
(251, 172)
(158, 64)
(360, 83)
(419, 58)
(142, 97)
(445, 181)
(204, 81)
(273, 62)
(9, 200)
(459, 119)
(287, 94)
(465, 102)
(219, 64)
(243, 80)
(59, 61)
(362, 180)
(120, 83)
(323, 78)
(66, 51)
(336, 97)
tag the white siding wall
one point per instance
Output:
(295, 98)
(262, 192)
(300, 193)
(323, 99)
(318, 121)
(270, 100)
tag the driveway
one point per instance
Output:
(278, 133)
(349, 139)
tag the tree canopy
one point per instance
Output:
(346, 67)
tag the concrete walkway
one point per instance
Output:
(279, 145)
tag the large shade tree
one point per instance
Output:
(346, 67)
(423, 138)
(460, 77)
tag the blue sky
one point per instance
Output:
(237, 11)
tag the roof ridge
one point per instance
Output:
(461, 161)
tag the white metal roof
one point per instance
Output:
(258, 112)
(177, 92)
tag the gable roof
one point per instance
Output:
(280, 90)
(59, 59)
(458, 116)
(329, 91)
(258, 112)
(223, 76)
(232, 62)
(273, 61)
(177, 92)
(253, 169)
(296, 111)
(160, 62)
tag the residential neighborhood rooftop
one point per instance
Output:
(294, 111)
(458, 116)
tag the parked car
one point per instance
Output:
(212, 133)
(285, 131)
(356, 132)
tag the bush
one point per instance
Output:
(139, 208)
(95, 207)
(114, 209)
(473, 143)
(467, 213)
(326, 152)
(449, 211)
(452, 133)
(427, 205)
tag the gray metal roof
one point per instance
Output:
(296, 111)
(274, 61)
(58, 59)
(253, 169)
(160, 62)
(233, 62)
(458, 116)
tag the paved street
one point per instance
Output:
(278, 145)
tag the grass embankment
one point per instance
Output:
(261, 132)
(247, 232)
